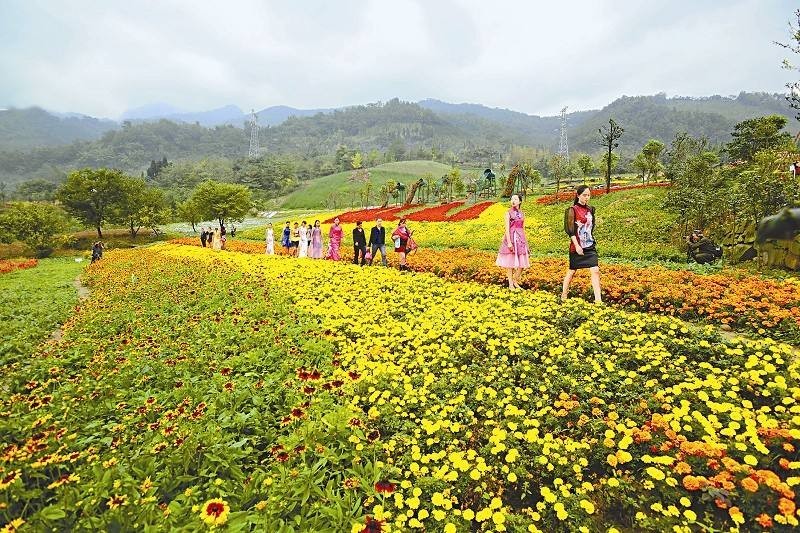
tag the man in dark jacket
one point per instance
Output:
(203, 236)
(359, 244)
(377, 241)
(702, 249)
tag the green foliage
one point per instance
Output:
(697, 185)
(754, 135)
(222, 201)
(36, 190)
(762, 186)
(91, 195)
(585, 163)
(41, 226)
(140, 206)
(33, 302)
(189, 211)
(357, 161)
(648, 162)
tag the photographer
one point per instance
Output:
(701, 249)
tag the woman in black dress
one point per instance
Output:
(579, 222)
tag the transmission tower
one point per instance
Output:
(563, 144)
(253, 152)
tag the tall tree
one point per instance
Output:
(141, 206)
(649, 159)
(222, 201)
(608, 137)
(755, 134)
(794, 46)
(585, 163)
(188, 211)
(91, 195)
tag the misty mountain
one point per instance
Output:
(396, 129)
(22, 129)
(229, 115)
(153, 111)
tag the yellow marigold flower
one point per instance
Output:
(736, 515)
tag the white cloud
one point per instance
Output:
(102, 57)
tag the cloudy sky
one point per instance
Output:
(103, 57)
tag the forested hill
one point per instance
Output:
(27, 128)
(397, 130)
(658, 117)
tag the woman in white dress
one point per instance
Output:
(304, 235)
(216, 240)
(270, 240)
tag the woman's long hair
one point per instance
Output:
(578, 192)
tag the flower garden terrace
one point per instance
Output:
(246, 392)
(730, 298)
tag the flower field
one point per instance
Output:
(480, 227)
(449, 212)
(566, 196)
(10, 265)
(747, 302)
(240, 392)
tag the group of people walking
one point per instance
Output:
(304, 240)
(579, 221)
(214, 238)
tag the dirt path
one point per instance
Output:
(83, 293)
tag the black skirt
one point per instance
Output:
(587, 260)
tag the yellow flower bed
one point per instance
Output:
(488, 412)
(200, 390)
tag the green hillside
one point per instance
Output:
(315, 193)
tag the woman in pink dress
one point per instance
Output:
(513, 255)
(334, 240)
(316, 241)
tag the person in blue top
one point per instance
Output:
(287, 232)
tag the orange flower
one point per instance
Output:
(764, 520)
(682, 468)
(749, 485)
(786, 507)
(693, 483)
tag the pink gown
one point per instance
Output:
(316, 243)
(515, 256)
(335, 239)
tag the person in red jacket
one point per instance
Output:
(579, 220)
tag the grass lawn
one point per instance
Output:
(314, 193)
(33, 303)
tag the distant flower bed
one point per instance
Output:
(470, 212)
(385, 213)
(435, 214)
(429, 214)
(10, 265)
(565, 196)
